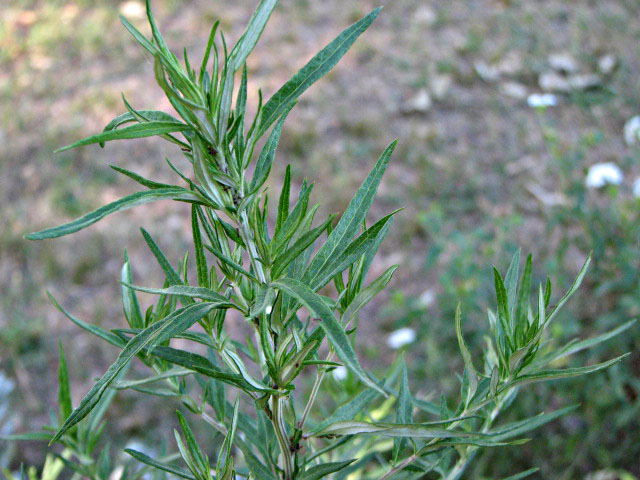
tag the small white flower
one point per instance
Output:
(340, 373)
(542, 100)
(632, 130)
(268, 310)
(133, 9)
(636, 188)
(401, 337)
(602, 174)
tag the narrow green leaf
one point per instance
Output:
(511, 283)
(140, 38)
(351, 219)
(97, 331)
(513, 429)
(188, 291)
(416, 430)
(201, 260)
(139, 116)
(139, 130)
(230, 263)
(130, 303)
(252, 33)
(329, 323)
(267, 154)
(141, 457)
(133, 200)
(574, 347)
(173, 324)
(466, 356)
(290, 254)
(170, 273)
(316, 68)
(64, 388)
(354, 251)
(154, 28)
(546, 375)
(283, 202)
(225, 463)
(404, 414)
(199, 364)
(503, 306)
(367, 294)
(141, 180)
(171, 373)
(27, 437)
(194, 448)
(318, 472)
(207, 52)
(293, 221)
(524, 292)
(349, 410)
(521, 475)
(571, 291)
(257, 468)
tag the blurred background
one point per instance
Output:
(516, 127)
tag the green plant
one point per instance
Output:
(271, 277)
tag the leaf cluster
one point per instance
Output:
(300, 285)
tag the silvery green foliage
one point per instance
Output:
(271, 275)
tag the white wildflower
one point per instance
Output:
(268, 310)
(636, 188)
(340, 373)
(133, 9)
(632, 130)
(401, 337)
(602, 174)
(542, 100)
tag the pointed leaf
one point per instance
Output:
(404, 413)
(252, 33)
(141, 457)
(321, 471)
(97, 331)
(314, 303)
(545, 375)
(130, 303)
(316, 68)
(351, 219)
(139, 130)
(367, 294)
(354, 251)
(188, 291)
(133, 200)
(175, 323)
(64, 388)
(267, 154)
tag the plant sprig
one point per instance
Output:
(276, 276)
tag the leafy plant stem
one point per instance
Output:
(277, 404)
(464, 460)
(314, 391)
(253, 251)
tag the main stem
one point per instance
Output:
(277, 404)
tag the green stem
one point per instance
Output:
(464, 460)
(277, 404)
(314, 392)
